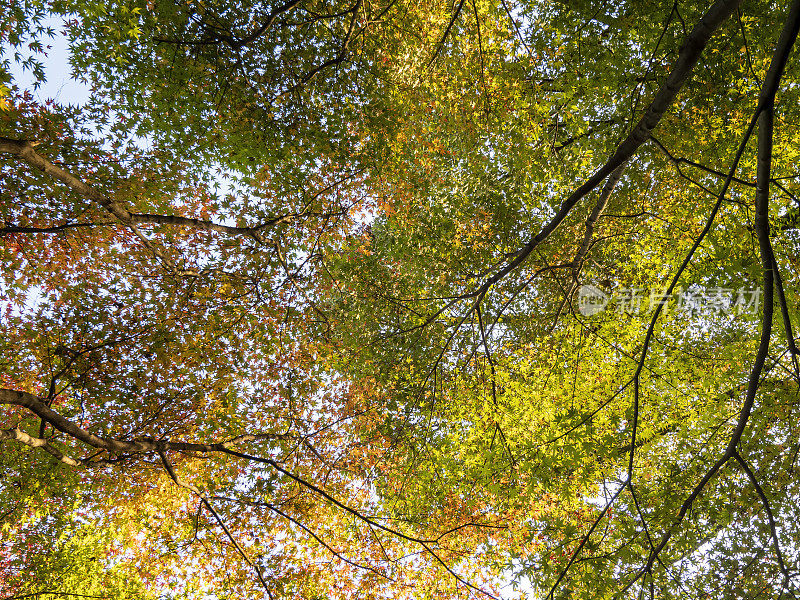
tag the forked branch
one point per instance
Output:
(162, 447)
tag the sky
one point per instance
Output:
(59, 85)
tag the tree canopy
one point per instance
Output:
(384, 299)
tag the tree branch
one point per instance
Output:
(580, 255)
(16, 434)
(24, 149)
(765, 115)
(161, 447)
(689, 54)
(179, 482)
(40, 409)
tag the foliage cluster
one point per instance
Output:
(293, 305)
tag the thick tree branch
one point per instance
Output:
(206, 225)
(588, 234)
(690, 53)
(161, 447)
(25, 150)
(10, 229)
(440, 45)
(765, 115)
(16, 434)
(40, 409)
